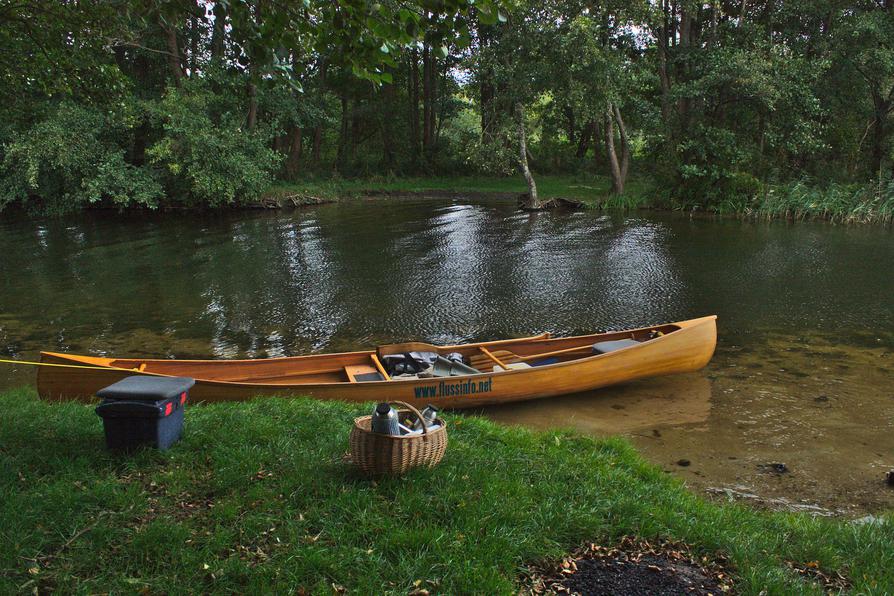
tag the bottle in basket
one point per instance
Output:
(384, 420)
(430, 413)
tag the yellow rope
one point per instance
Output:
(30, 363)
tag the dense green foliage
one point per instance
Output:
(258, 498)
(209, 103)
(183, 101)
(71, 157)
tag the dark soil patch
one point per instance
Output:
(648, 575)
(633, 567)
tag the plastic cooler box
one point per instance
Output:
(143, 410)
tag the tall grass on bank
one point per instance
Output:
(850, 203)
(258, 497)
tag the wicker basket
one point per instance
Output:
(377, 454)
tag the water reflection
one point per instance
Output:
(343, 276)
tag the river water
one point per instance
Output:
(802, 375)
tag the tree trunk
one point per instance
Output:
(318, 143)
(625, 146)
(532, 201)
(194, 41)
(318, 129)
(685, 38)
(617, 180)
(217, 33)
(662, 43)
(880, 132)
(140, 141)
(486, 86)
(356, 131)
(571, 125)
(173, 53)
(487, 111)
(413, 81)
(433, 103)
(672, 23)
(715, 19)
(252, 118)
(583, 143)
(426, 100)
(439, 113)
(293, 161)
(342, 135)
(387, 127)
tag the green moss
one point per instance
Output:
(257, 497)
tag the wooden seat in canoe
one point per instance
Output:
(361, 373)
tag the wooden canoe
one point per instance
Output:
(675, 348)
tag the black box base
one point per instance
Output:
(127, 434)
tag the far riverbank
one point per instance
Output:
(792, 201)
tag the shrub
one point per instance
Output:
(205, 155)
(68, 160)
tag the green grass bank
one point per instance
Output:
(798, 200)
(257, 497)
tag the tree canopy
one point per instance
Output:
(202, 102)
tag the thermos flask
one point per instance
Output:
(384, 420)
(430, 414)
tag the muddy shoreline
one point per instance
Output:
(800, 425)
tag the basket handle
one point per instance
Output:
(415, 411)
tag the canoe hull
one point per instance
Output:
(687, 349)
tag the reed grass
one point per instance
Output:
(258, 498)
(849, 203)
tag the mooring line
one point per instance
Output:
(89, 366)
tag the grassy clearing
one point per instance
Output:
(257, 498)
